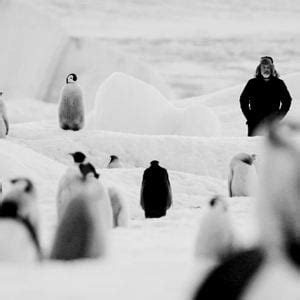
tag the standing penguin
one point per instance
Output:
(156, 194)
(242, 179)
(19, 223)
(87, 218)
(119, 208)
(4, 126)
(64, 184)
(71, 107)
(215, 238)
(114, 162)
(23, 193)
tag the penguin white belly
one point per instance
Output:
(16, 244)
(66, 190)
(215, 238)
(119, 208)
(244, 180)
(100, 193)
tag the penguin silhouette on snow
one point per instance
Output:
(156, 194)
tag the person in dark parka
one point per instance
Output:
(156, 194)
(264, 97)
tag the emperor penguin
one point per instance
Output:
(65, 181)
(19, 236)
(23, 193)
(242, 179)
(84, 226)
(215, 239)
(4, 125)
(119, 207)
(71, 106)
(156, 193)
(114, 162)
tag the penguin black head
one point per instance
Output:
(213, 201)
(78, 157)
(154, 163)
(217, 201)
(1, 93)
(72, 77)
(8, 209)
(85, 169)
(28, 187)
(113, 157)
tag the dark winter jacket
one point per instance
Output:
(156, 194)
(261, 99)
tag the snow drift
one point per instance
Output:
(126, 104)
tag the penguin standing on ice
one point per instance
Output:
(71, 107)
(4, 125)
(215, 238)
(19, 236)
(156, 194)
(119, 208)
(114, 162)
(83, 228)
(64, 184)
(242, 179)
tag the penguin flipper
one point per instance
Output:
(230, 177)
(6, 124)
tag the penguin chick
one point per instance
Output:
(81, 232)
(215, 237)
(114, 162)
(23, 193)
(119, 208)
(71, 107)
(242, 179)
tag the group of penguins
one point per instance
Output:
(87, 209)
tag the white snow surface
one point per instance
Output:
(126, 104)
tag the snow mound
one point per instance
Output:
(126, 104)
(198, 120)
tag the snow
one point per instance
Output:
(158, 253)
(124, 103)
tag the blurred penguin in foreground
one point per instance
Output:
(19, 234)
(85, 219)
(215, 239)
(156, 194)
(271, 270)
